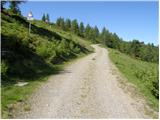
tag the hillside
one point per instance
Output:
(42, 45)
(32, 58)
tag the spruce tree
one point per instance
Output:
(87, 31)
(67, 24)
(43, 17)
(14, 7)
(81, 29)
(58, 21)
(47, 18)
(62, 25)
(96, 31)
(75, 27)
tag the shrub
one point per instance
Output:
(155, 89)
(63, 48)
(46, 49)
(71, 45)
(77, 50)
(4, 68)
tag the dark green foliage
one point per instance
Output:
(155, 89)
(43, 18)
(103, 36)
(14, 7)
(81, 29)
(109, 39)
(67, 24)
(75, 27)
(93, 34)
(96, 31)
(87, 31)
(135, 48)
(60, 22)
(47, 18)
(149, 53)
(140, 50)
(4, 68)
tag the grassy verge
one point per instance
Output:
(12, 94)
(142, 74)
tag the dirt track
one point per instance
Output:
(87, 88)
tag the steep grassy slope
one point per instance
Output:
(65, 34)
(143, 74)
(32, 58)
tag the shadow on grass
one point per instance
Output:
(23, 63)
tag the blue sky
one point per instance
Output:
(130, 20)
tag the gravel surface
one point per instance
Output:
(87, 88)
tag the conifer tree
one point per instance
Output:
(58, 21)
(87, 31)
(67, 24)
(43, 17)
(62, 24)
(14, 6)
(47, 18)
(96, 31)
(81, 29)
(74, 27)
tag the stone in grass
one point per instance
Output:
(20, 84)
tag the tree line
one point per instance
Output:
(135, 48)
(88, 32)
(46, 18)
(146, 52)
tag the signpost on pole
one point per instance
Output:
(30, 17)
(48, 22)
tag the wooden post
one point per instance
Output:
(29, 28)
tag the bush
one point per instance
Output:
(77, 50)
(155, 89)
(63, 48)
(4, 68)
(71, 45)
(46, 50)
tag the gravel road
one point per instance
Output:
(88, 88)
